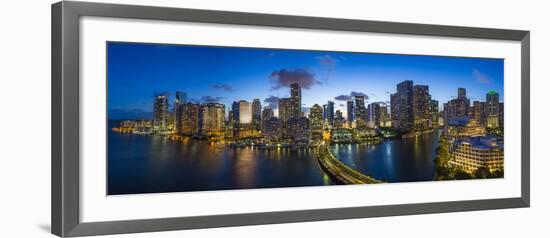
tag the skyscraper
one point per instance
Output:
(266, 114)
(211, 118)
(394, 110)
(190, 119)
(493, 112)
(350, 110)
(338, 119)
(234, 114)
(285, 112)
(434, 109)
(296, 100)
(245, 113)
(361, 115)
(316, 119)
(160, 113)
(330, 112)
(377, 113)
(285, 109)
(272, 128)
(405, 110)
(299, 129)
(257, 114)
(421, 105)
(179, 101)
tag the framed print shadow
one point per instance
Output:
(169, 119)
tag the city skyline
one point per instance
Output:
(138, 72)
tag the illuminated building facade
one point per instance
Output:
(350, 111)
(211, 118)
(338, 119)
(272, 129)
(421, 107)
(299, 129)
(316, 119)
(295, 100)
(179, 101)
(245, 113)
(361, 116)
(256, 114)
(471, 153)
(190, 119)
(160, 113)
(266, 114)
(493, 112)
(330, 112)
(403, 110)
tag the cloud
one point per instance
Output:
(209, 99)
(353, 94)
(480, 77)
(284, 77)
(342, 98)
(156, 94)
(223, 87)
(327, 61)
(272, 101)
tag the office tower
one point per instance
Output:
(476, 111)
(285, 112)
(338, 119)
(377, 114)
(405, 108)
(472, 153)
(211, 118)
(299, 129)
(316, 119)
(245, 113)
(350, 110)
(234, 114)
(190, 119)
(457, 108)
(179, 101)
(394, 111)
(330, 112)
(272, 128)
(296, 100)
(421, 106)
(501, 115)
(285, 109)
(257, 114)
(266, 114)
(361, 114)
(434, 109)
(493, 112)
(325, 112)
(160, 113)
(461, 93)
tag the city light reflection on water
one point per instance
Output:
(153, 164)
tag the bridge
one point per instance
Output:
(340, 171)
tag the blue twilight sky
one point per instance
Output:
(137, 72)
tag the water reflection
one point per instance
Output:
(402, 160)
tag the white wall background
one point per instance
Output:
(25, 117)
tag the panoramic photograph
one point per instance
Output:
(187, 118)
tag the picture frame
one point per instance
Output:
(66, 217)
